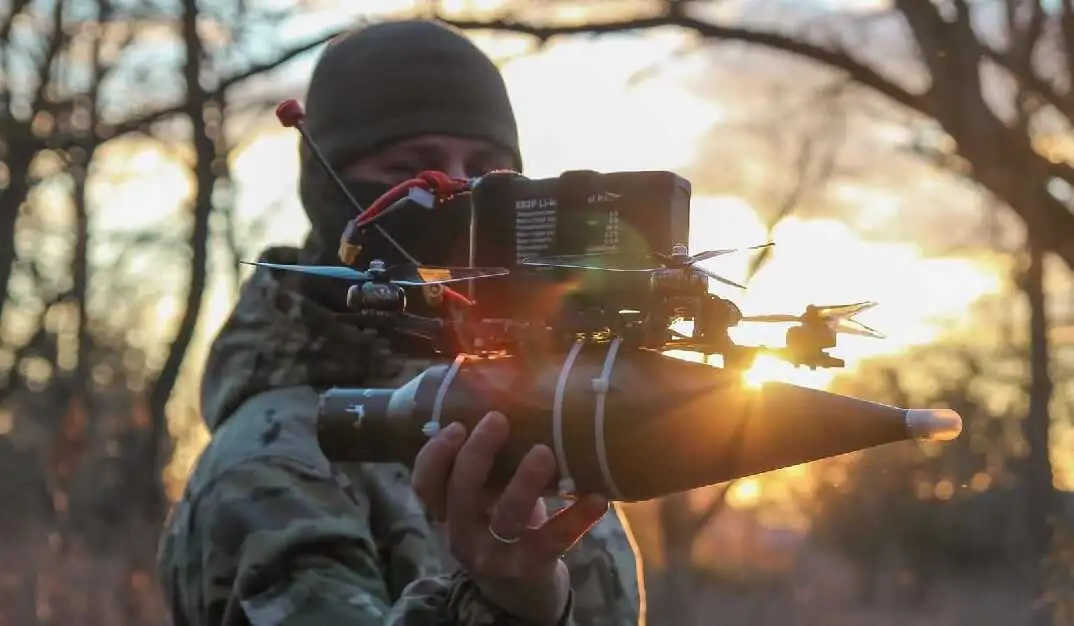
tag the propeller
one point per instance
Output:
(410, 275)
(618, 262)
(404, 275)
(837, 317)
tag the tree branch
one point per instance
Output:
(22, 146)
(44, 65)
(1031, 81)
(834, 58)
(718, 504)
(803, 182)
(140, 122)
(1003, 160)
(16, 9)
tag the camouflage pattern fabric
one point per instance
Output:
(269, 533)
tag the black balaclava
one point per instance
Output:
(378, 85)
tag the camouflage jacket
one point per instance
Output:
(269, 533)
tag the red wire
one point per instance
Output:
(442, 186)
(438, 183)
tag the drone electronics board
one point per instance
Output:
(628, 214)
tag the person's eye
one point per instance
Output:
(487, 163)
(402, 171)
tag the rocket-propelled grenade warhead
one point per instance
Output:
(631, 425)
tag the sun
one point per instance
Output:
(744, 493)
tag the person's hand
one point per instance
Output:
(505, 541)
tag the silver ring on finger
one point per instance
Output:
(500, 538)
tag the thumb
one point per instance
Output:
(539, 515)
(569, 524)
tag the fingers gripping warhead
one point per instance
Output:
(628, 424)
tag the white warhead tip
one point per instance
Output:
(933, 424)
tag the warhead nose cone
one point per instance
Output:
(635, 426)
(933, 424)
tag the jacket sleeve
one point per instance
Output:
(607, 579)
(289, 547)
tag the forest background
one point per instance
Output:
(914, 153)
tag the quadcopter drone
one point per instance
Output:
(678, 290)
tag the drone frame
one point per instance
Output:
(429, 187)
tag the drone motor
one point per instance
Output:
(376, 299)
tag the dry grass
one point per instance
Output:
(822, 591)
(41, 584)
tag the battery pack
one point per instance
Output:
(629, 214)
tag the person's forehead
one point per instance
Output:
(442, 144)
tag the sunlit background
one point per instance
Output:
(612, 121)
(613, 104)
(610, 125)
(880, 224)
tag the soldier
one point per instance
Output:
(268, 532)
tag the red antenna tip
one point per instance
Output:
(290, 113)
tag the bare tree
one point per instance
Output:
(82, 380)
(951, 515)
(815, 162)
(958, 93)
(681, 523)
(38, 101)
(1041, 503)
(994, 80)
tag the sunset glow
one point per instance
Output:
(744, 493)
(607, 124)
(815, 261)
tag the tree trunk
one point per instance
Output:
(1041, 502)
(678, 534)
(11, 200)
(203, 132)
